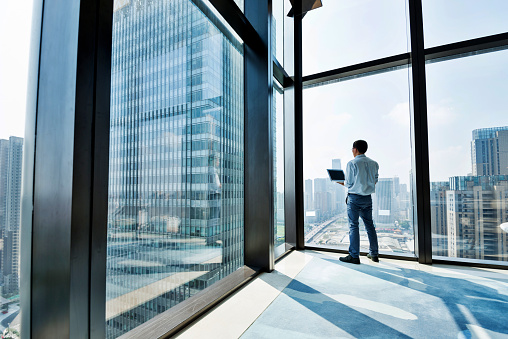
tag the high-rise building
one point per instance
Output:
(11, 160)
(340, 192)
(336, 164)
(309, 195)
(476, 207)
(489, 151)
(320, 185)
(175, 220)
(439, 224)
(384, 202)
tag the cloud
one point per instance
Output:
(400, 114)
(441, 114)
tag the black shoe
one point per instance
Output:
(373, 258)
(350, 259)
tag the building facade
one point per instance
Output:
(489, 151)
(384, 205)
(309, 195)
(476, 207)
(11, 160)
(439, 224)
(175, 217)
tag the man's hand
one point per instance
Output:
(340, 183)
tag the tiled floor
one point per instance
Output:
(314, 295)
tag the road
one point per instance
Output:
(7, 320)
(319, 228)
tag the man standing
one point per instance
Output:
(361, 180)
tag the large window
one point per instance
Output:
(468, 122)
(456, 20)
(278, 167)
(175, 220)
(14, 39)
(279, 11)
(376, 109)
(344, 32)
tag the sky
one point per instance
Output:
(463, 94)
(15, 26)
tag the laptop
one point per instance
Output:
(336, 175)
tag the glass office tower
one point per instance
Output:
(175, 217)
(11, 156)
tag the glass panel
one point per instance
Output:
(450, 21)
(278, 30)
(175, 219)
(15, 26)
(468, 147)
(278, 167)
(374, 108)
(344, 32)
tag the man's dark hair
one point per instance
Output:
(361, 146)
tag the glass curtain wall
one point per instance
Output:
(376, 109)
(343, 33)
(278, 167)
(175, 216)
(468, 121)
(277, 43)
(451, 21)
(468, 125)
(279, 9)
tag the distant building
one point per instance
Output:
(489, 151)
(476, 206)
(384, 202)
(320, 185)
(336, 164)
(324, 205)
(439, 223)
(340, 192)
(309, 196)
(11, 159)
(325, 198)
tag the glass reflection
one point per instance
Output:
(175, 217)
(278, 159)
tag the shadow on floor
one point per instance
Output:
(483, 302)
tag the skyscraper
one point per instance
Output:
(11, 159)
(384, 202)
(476, 207)
(336, 164)
(175, 221)
(439, 223)
(340, 192)
(489, 151)
(309, 195)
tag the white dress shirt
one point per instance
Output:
(361, 175)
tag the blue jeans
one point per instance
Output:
(361, 206)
